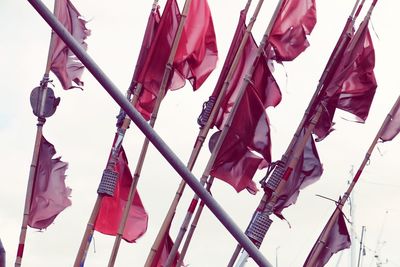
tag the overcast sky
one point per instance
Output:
(82, 131)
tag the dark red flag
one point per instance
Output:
(295, 20)
(161, 255)
(337, 239)
(197, 53)
(111, 208)
(262, 81)
(64, 64)
(50, 196)
(152, 72)
(246, 145)
(392, 128)
(308, 170)
(353, 86)
(151, 29)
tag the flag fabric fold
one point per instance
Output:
(149, 34)
(294, 22)
(392, 128)
(161, 256)
(50, 196)
(246, 145)
(112, 208)
(64, 64)
(152, 72)
(337, 239)
(353, 86)
(195, 57)
(307, 171)
(197, 53)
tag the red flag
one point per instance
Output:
(353, 86)
(152, 72)
(2, 255)
(295, 20)
(307, 171)
(197, 53)
(149, 35)
(392, 128)
(50, 196)
(64, 64)
(338, 239)
(161, 256)
(262, 81)
(248, 137)
(111, 208)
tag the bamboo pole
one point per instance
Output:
(132, 191)
(156, 140)
(225, 130)
(311, 116)
(322, 239)
(193, 225)
(35, 156)
(116, 148)
(199, 142)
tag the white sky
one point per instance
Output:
(82, 130)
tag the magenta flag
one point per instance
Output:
(162, 254)
(294, 22)
(152, 72)
(392, 128)
(262, 82)
(246, 145)
(307, 171)
(149, 34)
(353, 86)
(64, 64)
(50, 196)
(337, 239)
(197, 53)
(112, 208)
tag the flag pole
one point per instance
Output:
(161, 93)
(226, 127)
(156, 140)
(322, 239)
(193, 226)
(200, 140)
(283, 170)
(201, 206)
(39, 109)
(109, 172)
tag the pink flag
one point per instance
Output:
(295, 20)
(111, 208)
(152, 72)
(197, 53)
(246, 145)
(162, 254)
(262, 82)
(149, 34)
(337, 239)
(64, 64)
(353, 86)
(307, 171)
(392, 128)
(50, 196)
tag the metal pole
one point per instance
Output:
(155, 139)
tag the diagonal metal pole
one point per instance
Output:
(154, 138)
